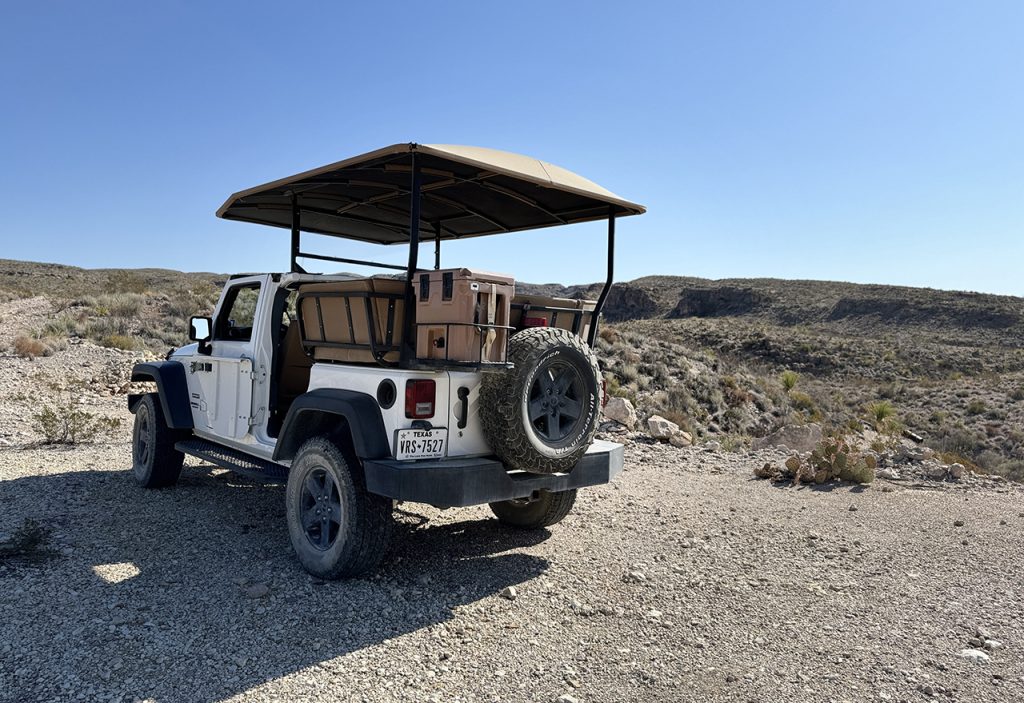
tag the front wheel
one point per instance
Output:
(155, 461)
(337, 528)
(534, 513)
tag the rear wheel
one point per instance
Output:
(534, 513)
(337, 528)
(155, 461)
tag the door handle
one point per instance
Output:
(463, 393)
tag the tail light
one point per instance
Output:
(419, 399)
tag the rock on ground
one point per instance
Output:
(621, 410)
(660, 428)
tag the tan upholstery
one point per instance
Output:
(293, 380)
(562, 320)
(335, 315)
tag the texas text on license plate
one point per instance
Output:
(420, 444)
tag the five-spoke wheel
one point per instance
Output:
(337, 528)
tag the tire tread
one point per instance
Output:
(500, 415)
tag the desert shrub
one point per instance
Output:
(734, 394)
(733, 442)
(608, 334)
(789, 379)
(120, 304)
(1012, 470)
(97, 328)
(62, 420)
(957, 440)
(29, 347)
(889, 391)
(61, 326)
(976, 407)
(627, 373)
(119, 341)
(658, 373)
(613, 388)
(185, 301)
(679, 407)
(126, 282)
(881, 411)
(805, 404)
(1017, 394)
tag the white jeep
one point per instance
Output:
(440, 386)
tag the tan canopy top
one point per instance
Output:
(466, 191)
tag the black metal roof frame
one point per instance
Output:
(392, 195)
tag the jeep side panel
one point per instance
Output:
(330, 410)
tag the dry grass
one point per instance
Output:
(29, 347)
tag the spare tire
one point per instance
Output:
(541, 415)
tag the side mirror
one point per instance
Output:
(199, 329)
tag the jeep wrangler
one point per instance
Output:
(440, 386)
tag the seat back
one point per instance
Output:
(349, 321)
(293, 378)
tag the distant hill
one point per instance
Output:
(795, 302)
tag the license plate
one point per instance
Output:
(420, 444)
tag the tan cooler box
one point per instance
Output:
(454, 308)
(564, 313)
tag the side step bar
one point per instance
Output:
(234, 460)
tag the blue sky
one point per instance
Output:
(865, 141)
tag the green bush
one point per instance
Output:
(881, 411)
(789, 379)
(119, 341)
(976, 407)
(120, 304)
(805, 404)
(64, 421)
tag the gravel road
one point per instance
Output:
(684, 580)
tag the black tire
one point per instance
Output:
(155, 461)
(337, 528)
(541, 415)
(544, 511)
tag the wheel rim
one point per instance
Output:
(320, 509)
(143, 438)
(555, 404)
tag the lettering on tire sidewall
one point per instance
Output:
(543, 448)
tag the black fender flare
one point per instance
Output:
(172, 388)
(328, 411)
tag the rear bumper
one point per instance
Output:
(461, 482)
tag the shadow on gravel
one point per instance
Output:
(817, 487)
(149, 596)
